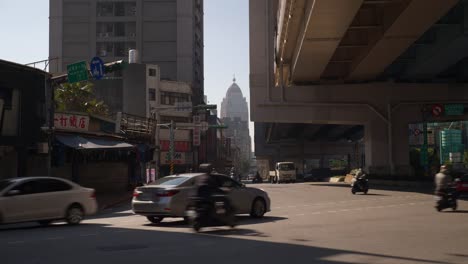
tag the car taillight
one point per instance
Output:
(167, 193)
(136, 193)
(93, 194)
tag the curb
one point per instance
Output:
(403, 184)
(423, 185)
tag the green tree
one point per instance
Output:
(79, 97)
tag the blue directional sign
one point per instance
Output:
(97, 68)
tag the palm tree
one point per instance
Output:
(79, 97)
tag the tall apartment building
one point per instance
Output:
(165, 33)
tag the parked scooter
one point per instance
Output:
(360, 183)
(214, 212)
(447, 199)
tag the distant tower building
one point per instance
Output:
(235, 104)
(235, 114)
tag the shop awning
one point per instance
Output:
(80, 142)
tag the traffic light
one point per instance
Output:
(115, 66)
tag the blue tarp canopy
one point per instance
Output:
(79, 142)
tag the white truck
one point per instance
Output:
(284, 172)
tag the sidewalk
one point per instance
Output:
(421, 186)
(109, 200)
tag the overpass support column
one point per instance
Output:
(376, 147)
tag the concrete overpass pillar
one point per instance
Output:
(354, 157)
(376, 147)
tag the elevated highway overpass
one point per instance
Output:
(326, 75)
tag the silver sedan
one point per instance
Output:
(44, 199)
(169, 197)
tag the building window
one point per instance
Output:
(152, 72)
(152, 94)
(176, 119)
(106, 9)
(171, 98)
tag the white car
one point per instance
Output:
(44, 199)
(169, 197)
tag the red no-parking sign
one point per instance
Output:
(437, 110)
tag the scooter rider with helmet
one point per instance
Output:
(442, 181)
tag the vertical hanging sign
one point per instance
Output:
(196, 130)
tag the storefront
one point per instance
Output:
(84, 152)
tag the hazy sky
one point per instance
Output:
(25, 39)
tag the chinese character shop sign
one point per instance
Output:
(71, 122)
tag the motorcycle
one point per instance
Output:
(257, 179)
(447, 199)
(214, 212)
(360, 184)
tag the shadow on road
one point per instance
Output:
(241, 220)
(124, 245)
(456, 212)
(232, 232)
(31, 226)
(459, 255)
(372, 194)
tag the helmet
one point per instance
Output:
(443, 168)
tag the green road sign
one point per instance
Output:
(454, 109)
(77, 72)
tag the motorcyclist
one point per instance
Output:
(207, 186)
(442, 181)
(358, 175)
(257, 178)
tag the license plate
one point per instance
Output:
(465, 185)
(145, 197)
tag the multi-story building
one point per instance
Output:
(165, 33)
(24, 119)
(235, 114)
(140, 93)
(171, 94)
(234, 104)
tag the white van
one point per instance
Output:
(284, 172)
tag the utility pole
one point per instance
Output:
(157, 147)
(171, 146)
(172, 127)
